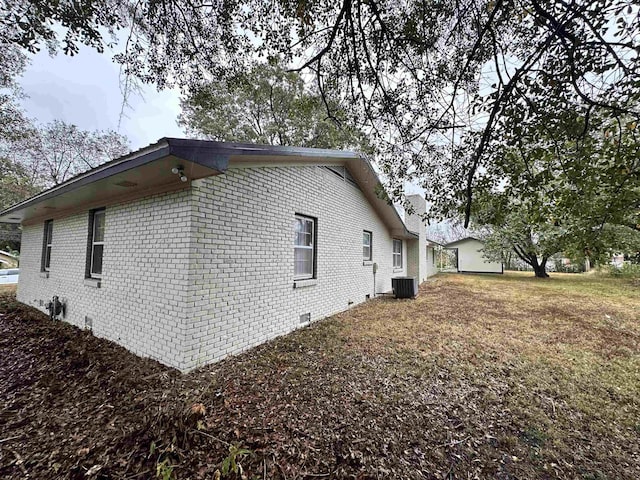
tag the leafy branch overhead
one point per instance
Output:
(437, 83)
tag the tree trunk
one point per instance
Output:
(539, 268)
(540, 271)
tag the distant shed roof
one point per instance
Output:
(463, 240)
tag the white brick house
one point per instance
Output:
(252, 242)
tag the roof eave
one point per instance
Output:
(463, 240)
(210, 154)
(214, 157)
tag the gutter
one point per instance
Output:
(211, 154)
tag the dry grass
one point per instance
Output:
(479, 377)
(507, 316)
(562, 355)
(7, 289)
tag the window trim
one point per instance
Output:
(91, 244)
(370, 257)
(397, 254)
(313, 248)
(46, 246)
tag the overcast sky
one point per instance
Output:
(84, 90)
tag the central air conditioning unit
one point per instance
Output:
(404, 287)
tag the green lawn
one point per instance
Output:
(479, 377)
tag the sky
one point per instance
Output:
(84, 90)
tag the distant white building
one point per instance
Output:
(617, 260)
(9, 276)
(470, 258)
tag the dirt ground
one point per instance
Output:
(479, 377)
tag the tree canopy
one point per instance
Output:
(16, 183)
(564, 191)
(52, 153)
(437, 83)
(13, 122)
(267, 105)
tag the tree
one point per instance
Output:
(533, 243)
(563, 191)
(15, 183)
(47, 156)
(57, 151)
(266, 105)
(15, 186)
(439, 84)
(13, 123)
(412, 70)
(30, 24)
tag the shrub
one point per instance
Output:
(628, 270)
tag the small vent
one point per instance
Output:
(367, 296)
(305, 318)
(41, 303)
(344, 174)
(126, 184)
(88, 322)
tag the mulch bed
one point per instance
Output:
(304, 406)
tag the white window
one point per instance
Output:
(397, 253)
(96, 243)
(46, 245)
(304, 248)
(367, 251)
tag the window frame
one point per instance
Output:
(313, 247)
(47, 246)
(399, 254)
(370, 246)
(89, 273)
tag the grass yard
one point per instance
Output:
(7, 289)
(479, 377)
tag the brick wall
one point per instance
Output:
(142, 301)
(432, 261)
(242, 283)
(417, 257)
(193, 276)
